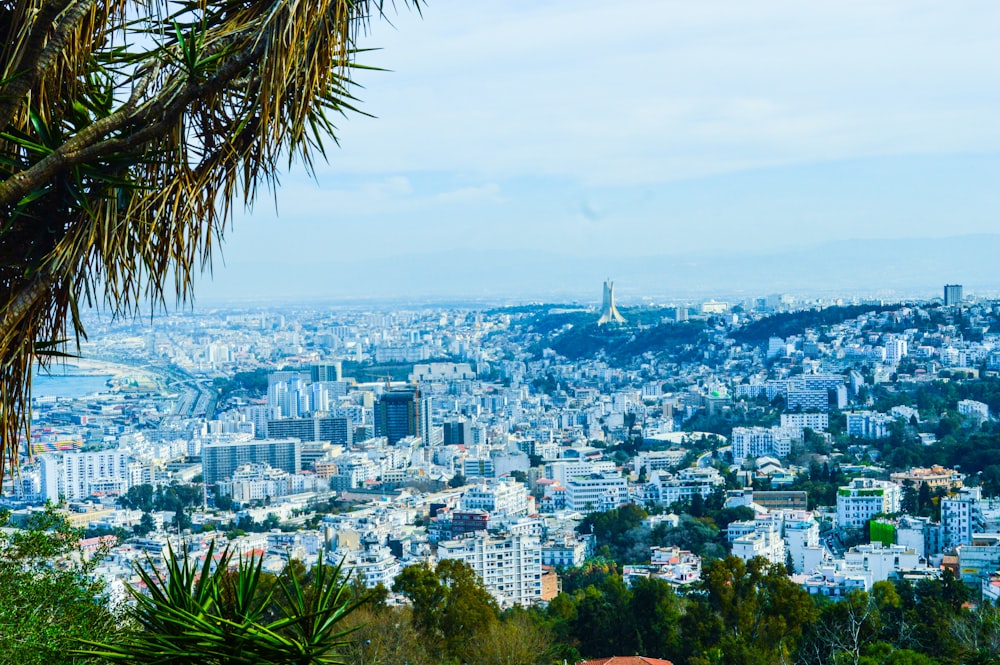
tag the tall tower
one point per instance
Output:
(952, 294)
(609, 313)
(397, 414)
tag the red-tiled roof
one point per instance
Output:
(626, 660)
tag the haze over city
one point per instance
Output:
(598, 133)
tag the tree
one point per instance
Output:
(129, 131)
(45, 608)
(212, 615)
(759, 613)
(450, 605)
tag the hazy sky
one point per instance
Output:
(653, 127)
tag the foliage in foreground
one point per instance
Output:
(129, 131)
(47, 601)
(226, 615)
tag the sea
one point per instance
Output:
(61, 383)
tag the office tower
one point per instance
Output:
(952, 294)
(219, 460)
(397, 414)
(326, 371)
(457, 432)
(609, 312)
(424, 424)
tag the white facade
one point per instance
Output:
(976, 410)
(961, 516)
(895, 350)
(596, 492)
(256, 482)
(752, 442)
(801, 533)
(880, 560)
(762, 542)
(865, 498)
(509, 567)
(682, 487)
(817, 422)
(500, 498)
(868, 425)
(84, 474)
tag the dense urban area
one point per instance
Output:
(774, 480)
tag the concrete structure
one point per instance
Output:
(510, 567)
(934, 477)
(85, 474)
(763, 542)
(257, 482)
(397, 414)
(221, 459)
(499, 498)
(685, 484)
(799, 421)
(868, 425)
(952, 294)
(865, 498)
(335, 430)
(976, 411)
(753, 442)
(979, 559)
(609, 312)
(596, 492)
(961, 517)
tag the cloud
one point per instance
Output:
(653, 91)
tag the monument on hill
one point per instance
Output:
(609, 313)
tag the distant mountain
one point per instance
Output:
(909, 267)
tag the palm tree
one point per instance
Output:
(223, 614)
(129, 130)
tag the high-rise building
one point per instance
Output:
(220, 460)
(457, 432)
(104, 472)
(424, 425)
(952, 294)
(609, 312)
(327, 371)
(397, 414)
(510, 567)
(333, 429)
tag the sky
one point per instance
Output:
(646, 128)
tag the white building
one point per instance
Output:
(801, 534)
(961, 517)
(974, 410)
(596, 492)
(84, 474)
(895, 350)
(865, 498)
(500, 498)
(817, 422)
(257, 482)
(752, 442)
(882, 560)
(763, 541)
(868, 425)
(566, 551)
(510, 567)
(682, 487)
(980, 558)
